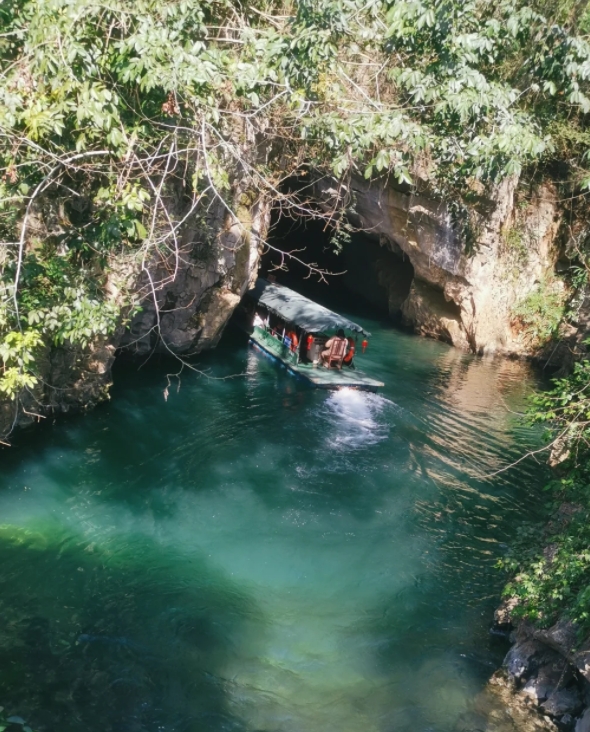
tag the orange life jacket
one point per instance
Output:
(350, 353)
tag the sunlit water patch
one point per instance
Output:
(249, 554)
(354, 419)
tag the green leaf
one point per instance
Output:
(140, 230)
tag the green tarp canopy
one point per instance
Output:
(295, 308)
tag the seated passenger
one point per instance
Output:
(258, 321)
(338, 343)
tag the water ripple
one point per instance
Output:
(254, 555)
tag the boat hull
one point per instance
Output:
(320, 377)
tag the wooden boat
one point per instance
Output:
(295, 330)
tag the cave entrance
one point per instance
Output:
(373, 273)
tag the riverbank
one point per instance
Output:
(546, 611)
(545, 675)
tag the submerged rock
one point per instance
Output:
(542, 673)
(498, 709)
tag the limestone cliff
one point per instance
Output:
(185, 297)
(187, 291)
(467, 298)
(70, 379)
(189, 295)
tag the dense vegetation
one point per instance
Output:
(107, 107)
(551, 562)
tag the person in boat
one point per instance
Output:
(339, 337)
(259, 320)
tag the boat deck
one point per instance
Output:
(336, 378)
(319, 376)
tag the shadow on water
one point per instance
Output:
(119, 638)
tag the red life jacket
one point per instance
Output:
(350, 353)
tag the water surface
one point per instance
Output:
(248, 554)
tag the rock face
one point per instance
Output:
(186, 298)
(431, 314)
(71, 380)
(583, 724)
(191, 294)
(465, 299)
(563, 702)
(545, 674)
(571, 346)
(419, 270)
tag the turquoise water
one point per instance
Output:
(248, 554)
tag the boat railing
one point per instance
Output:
(277, 343)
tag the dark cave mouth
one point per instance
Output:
(374, 275)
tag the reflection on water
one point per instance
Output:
(253, 555)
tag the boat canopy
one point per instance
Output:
(295, 308)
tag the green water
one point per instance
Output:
(249, 554)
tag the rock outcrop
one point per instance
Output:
(466, 299)
(70, 380)
(190, 294)
(544, 673)
(188, 288)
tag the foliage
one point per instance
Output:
(59, 303)
(551, 563)
(566, 410)
(553, 580)
(341, 237)
(17, 352)
(515, 242)
(541, 311)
